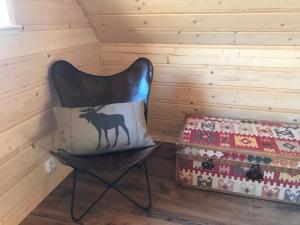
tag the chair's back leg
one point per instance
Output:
(148, 188)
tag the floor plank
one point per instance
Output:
(171, 205)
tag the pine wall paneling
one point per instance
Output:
(53, 30)
(235, 81)
(220, 57)
(224, 22)
(188, 6)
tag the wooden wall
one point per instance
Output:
(225, 22)
(55, 29)
(234, 81)
(218, 57)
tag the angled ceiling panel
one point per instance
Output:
(216, 22)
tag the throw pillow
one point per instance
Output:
(102, 129)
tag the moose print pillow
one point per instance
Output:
(101, 129)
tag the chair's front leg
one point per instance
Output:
(148, 206)
(108, 186)
(77, 219)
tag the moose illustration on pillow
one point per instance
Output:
(105, 122)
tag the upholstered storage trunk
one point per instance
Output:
(245, 157)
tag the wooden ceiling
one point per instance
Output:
(226, 22)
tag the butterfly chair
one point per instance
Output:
(78, 89)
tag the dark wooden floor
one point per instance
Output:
(171, 205)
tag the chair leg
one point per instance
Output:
(148, 188)
(149, 204)
(108, 186)
(77, 219)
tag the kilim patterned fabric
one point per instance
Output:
(252, 158)
(267, 138)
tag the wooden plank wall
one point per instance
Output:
(234, 81)
(225, 22)
(53, 30)
(218, 57)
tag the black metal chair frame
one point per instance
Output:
(78, 89)
(109, 185)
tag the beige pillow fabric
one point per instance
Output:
(102, 129)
